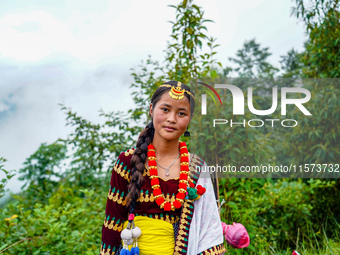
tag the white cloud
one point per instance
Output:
(32, 45)
(84, 35)
(3, 106)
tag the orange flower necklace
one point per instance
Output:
(183, 179)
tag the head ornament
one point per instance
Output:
(177, 92)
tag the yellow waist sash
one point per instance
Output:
(157, 236)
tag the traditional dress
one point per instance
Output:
(196, 226)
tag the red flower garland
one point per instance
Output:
(183, 179)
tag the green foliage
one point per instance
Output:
(322, 19)
(94, 144)
(252, 61)
(291, 64)
(7, 177)
(319, 135)
(67, 224)
(188, 37)
(322, 55)
(42, 171)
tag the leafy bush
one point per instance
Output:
(67, 224)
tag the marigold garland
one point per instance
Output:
(183, 179)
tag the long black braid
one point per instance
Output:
(137, 163)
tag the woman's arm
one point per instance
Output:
(116, 212)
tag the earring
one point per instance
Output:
(187, 133)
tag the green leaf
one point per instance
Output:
(232, 204)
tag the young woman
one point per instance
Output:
(158, 200)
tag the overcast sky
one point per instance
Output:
(79, 53)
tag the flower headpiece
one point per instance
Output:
(177, 92)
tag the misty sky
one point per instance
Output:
(79, 53)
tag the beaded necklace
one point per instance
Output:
(183, 179)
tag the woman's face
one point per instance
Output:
(170, 117)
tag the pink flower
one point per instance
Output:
(224, 227)
(236, 235)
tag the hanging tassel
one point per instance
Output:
(124, 252)
(129, 236)
(136, 251)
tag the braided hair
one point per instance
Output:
(145, 138)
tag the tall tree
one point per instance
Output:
(322, 21)
(42, 171)
(252, 61)
(291, 64)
